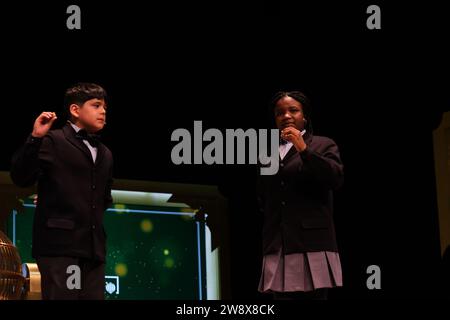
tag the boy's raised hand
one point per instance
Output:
(43, 124)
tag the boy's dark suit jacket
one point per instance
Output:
(297, 202)
(73, 193)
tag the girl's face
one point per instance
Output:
(289, 113)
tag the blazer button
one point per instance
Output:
(283, 203)
(93, 187)
(93, 206)
(282, 183)
(282, 164)
(93, 226)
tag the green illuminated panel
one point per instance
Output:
(152, 252)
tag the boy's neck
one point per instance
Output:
(81, 126)
(77, 123)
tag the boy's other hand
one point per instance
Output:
(43, 124)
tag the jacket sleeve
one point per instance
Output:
(31, 160)
(260, 198)
(324, 166)
(108, 195)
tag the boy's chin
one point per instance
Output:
(95, 128)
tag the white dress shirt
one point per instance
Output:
(284, 148)
(92, 149)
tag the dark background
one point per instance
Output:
(377, 93)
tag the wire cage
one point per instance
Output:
(11, 278)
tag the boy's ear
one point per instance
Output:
(74, 110)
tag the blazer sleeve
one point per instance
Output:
(31, 160)
(324, 166)
(108, 195)
(260, 199)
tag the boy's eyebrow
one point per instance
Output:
(100, 102)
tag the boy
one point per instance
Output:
(73, 170)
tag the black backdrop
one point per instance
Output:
(377, 93)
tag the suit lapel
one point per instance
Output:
(100, 153)
(289, 154)
(292, 151)
(70, 133)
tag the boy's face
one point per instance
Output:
(91, 115)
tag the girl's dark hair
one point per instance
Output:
(80, 93)
(296, 95)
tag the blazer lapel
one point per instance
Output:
(100, 153)
(307, 137)
(289, 154)
(70, 133)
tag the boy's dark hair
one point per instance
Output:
(80, 93)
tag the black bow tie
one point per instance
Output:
(282, 141)
(92, 138)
